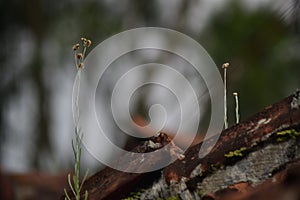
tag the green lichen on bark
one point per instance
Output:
(236, 153)
(286, 134)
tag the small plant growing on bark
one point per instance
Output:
(235, 94)
(74, 183)
(225, 66)
(237, 115)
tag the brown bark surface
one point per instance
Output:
(273, 131)
(254, 132)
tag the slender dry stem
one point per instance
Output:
(225, 66)
(237, 115)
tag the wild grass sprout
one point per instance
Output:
(225, 66)
(237, 115)
(74, 183)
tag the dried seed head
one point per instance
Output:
(88, 43)
(79, 56)
(225, 65)
(76, 47)
(80, 66)
(235, 94)
(83, 39)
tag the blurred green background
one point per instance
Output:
(259, 39)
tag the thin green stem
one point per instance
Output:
(77, 112)
(83, 53)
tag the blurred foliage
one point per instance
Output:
(262, 52)
(261, 49)
(49, 26)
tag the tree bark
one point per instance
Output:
(246, 155)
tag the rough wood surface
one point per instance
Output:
(248, 154)
(282, 186)
(254, 132)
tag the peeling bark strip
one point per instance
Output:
(271, 134)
